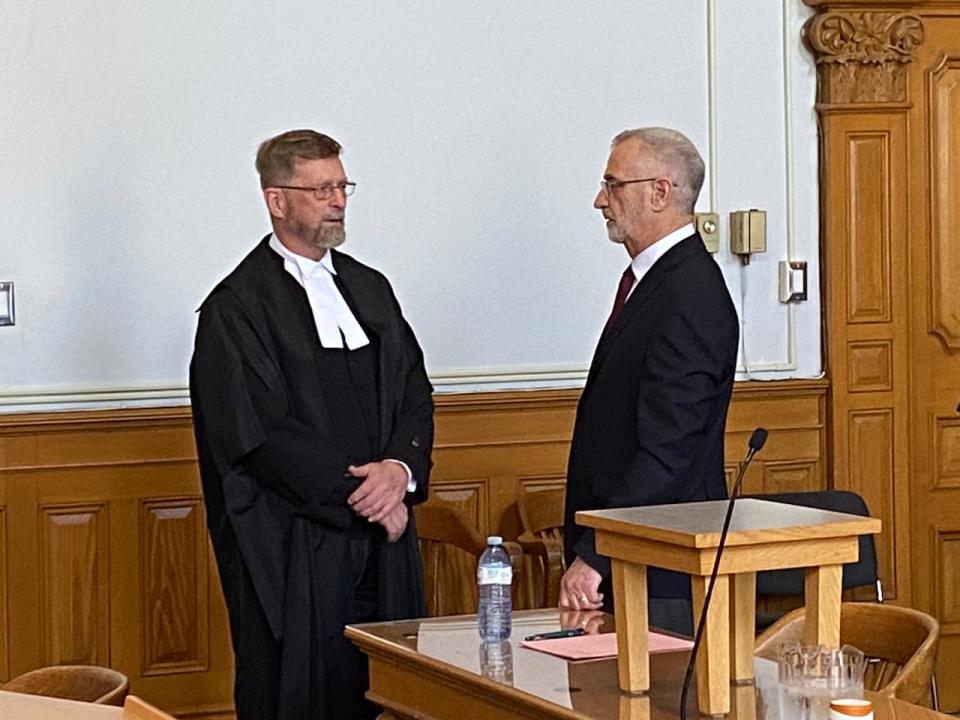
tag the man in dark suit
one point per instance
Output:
(314, 424)
(650, 421)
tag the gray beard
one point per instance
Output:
(616, 234)
(323, 236)
(330, 236)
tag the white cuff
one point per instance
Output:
(411, 481)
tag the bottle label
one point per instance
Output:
(494, 575)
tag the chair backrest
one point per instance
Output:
(449, 548)
(541, 516)
(541, 513)
(136, 709)
(900, 644)
(862, 573)
(87, 683)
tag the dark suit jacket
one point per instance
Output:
(650, 421)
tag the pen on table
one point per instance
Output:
(571, 632)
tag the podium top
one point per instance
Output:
(698, 524)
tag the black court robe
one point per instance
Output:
(275, 482)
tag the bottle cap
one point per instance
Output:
(850, 707)
(494, 540)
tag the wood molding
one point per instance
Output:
(860, 56)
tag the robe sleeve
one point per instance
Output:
(246, 412)
(411, 438)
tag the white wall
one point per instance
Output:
(477, 131)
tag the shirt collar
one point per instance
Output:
(645, 259)
(305, 266)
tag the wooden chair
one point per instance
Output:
(449, 550)
(136, 709)
(899, 643)
(541, 515)
(87, 683)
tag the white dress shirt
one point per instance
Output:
(335, 321)
(642, 263)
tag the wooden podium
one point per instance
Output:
(763, 535)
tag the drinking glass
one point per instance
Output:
(813, 675)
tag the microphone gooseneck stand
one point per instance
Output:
(757, 438)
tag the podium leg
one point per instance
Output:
(713, 661)
(743, 624)
(822, 599)
(630, 606)
(634, 707)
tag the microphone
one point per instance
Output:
(757, 438)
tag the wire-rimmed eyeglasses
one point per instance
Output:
(325, 191)
(608, 186)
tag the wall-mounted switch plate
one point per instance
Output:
(793, 281)
(6, 303)
(708, 225)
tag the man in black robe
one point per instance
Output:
(313, 418)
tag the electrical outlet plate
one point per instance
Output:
(6, 303)
(708, 225)
(793, 281)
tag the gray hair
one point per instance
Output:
(678, 155)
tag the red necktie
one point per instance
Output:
(626, 282)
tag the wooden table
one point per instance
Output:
(20, 706)
(431, 670)
(34, 707)
(763, 535)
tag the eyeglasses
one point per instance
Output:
(325, 191)
(608, 186)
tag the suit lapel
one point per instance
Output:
(640, 297)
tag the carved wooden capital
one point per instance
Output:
(861, 56)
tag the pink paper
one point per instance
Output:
(589, 647)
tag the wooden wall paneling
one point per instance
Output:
(173, 566)
(871, 474)
(870, 366)
(866, 300)
(23, 598)
(74, 584)
(901, 64)
(946, 452)
(793, 412)
(502, 437)
(935, 353)
(943, 97)
(947, 567)
(4, 617)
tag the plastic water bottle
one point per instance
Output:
(496, 661)
(494, 575)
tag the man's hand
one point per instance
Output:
(396, 522)
(579, 587)
(383, 488)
